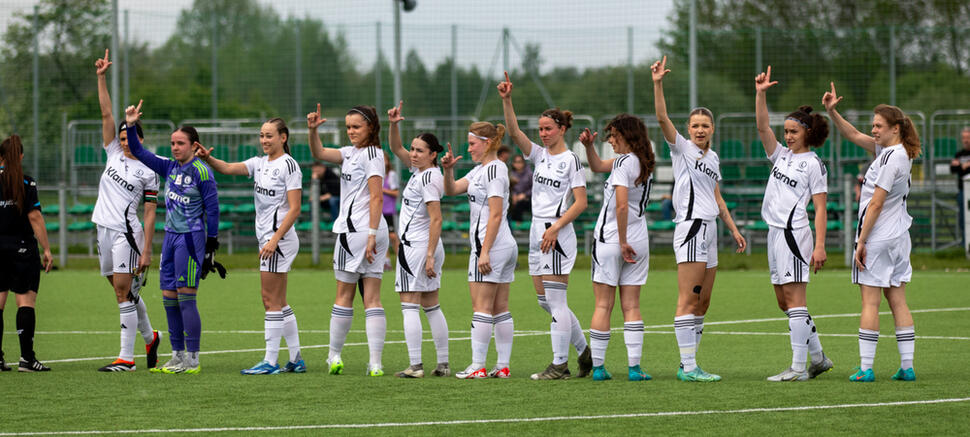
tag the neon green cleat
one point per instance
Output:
(374, 370)
(336, 365)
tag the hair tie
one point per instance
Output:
(362, 114)
(472, 134)
(799, 122)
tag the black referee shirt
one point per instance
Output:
(13, 224)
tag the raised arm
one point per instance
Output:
(658, 70)
(104, 99)
(728, 221)
(228, 168)
(394, 117)
(158, 165)
(452, 187)
(761, 84)
(829, 100)
(320, 153)
(518, 137)
(595, 163)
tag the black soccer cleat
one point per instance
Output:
(32, 366)
(151, 350)
(3, 366)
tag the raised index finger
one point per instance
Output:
(106, 55)
(318, 109)
(449, 150)
(833, 88)
(507, 77)
(768, 73)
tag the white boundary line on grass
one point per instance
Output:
(491, 421)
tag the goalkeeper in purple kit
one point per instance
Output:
(191, 238)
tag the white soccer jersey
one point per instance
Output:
(424, 186)
(794, 179)
(626, 170)
(553, 180)
(485, 181)
(272, 180)
(891, 172)
(696, 174)
(359, 165)
(124, 183)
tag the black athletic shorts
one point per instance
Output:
(390, 219)
(19, 265)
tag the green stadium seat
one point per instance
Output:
(89, 154)
(758, 172)
(731, 172)
(226, 226)
(246, 151)
(662, 225)
(51, 209)
(759, 225)
(521, 226)
(462, 208)
(653, 207)
(589, 226)
(731, 149)
(160, 226)
(449, 225)
(224, 208)
(301, 153)
(52, 226)
(305, 208)
(851, 150)
(243, 208)
(731, 205)
(224, 153)
(464, 226)
(81, 209)
(945, 147)
(80, 226)
(308, 226)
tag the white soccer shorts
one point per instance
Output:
(789, 254)
(696, 241)
(887, 263)
(115, 251)
(609, 267)
(560, 259)
(282, 259)
(503, 266)
(411, 276)
(349, 262)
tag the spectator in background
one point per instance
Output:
(960, 166)
(503, 154)
(391, 190)
(329, 188)
(520, 198)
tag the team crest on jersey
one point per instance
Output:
(276, 172)
(178, 180)
(562, 165)
(187, 180)
(139, 172)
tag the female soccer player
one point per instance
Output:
(277, 194)
(124, 248)
(361, 231)
(697, 201)
(21, 228)
(421, 253)
(191, 237)
(491, 264)
(552, 240)
(621, 249)
(881, 257)
(797, 177)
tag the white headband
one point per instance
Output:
(471, 134)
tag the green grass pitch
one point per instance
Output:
(77, 324)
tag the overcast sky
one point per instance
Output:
(580, 33)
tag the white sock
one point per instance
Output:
(504, 333)
(686, 340)
(481, 336)
(439, 331)
(340, 319)
(376, 326)
(292, 334)
(633, 337)
(867, 348)
(576, 335)
(906, 342)
(698, 331)
(543, 303)
(273, 325)
(144, 323)
(598, 341)
(559, 329)
(814, 345)
(412, 331)
(129, 320)
(799, 329)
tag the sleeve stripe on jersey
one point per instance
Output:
(203, 172)
(619, 161)
(426, 179)
(821, 165)
(371, 154)
(885, 158)
(579, 165)
(491, 173)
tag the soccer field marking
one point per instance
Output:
(494, 421)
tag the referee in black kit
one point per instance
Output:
(21, 228)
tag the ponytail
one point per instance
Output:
(12, 176)
(907, 130)
(815, 125)
(494, 133)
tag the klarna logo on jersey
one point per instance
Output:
(113, 174)
(546, 181)
(179, 198)
(783, 178)
(701, 167)
(264, 191)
